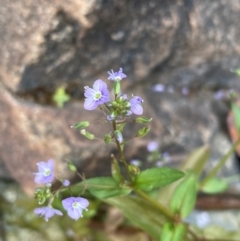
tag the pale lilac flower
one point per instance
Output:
(136, 162)
(48, 212)
(185, 91)
(158, 88)
(45, 172)
(116, 76)
(152, 146)
(96, 96)
(74, 206)
(219, 95)
(166, 156)
(136, 107)
(66, 183)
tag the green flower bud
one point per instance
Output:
(71, 166)
(87, 134)
(81, 125)
(117, 87)
(133, 169)
(143, 132)
(107, 138)
(143, 120)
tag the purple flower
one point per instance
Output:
(116, 76)
(66, 183)
(185, 91)
(45, 172)
(136, 162)
(219, 95)
(75, 206)
(48, 212)
(136, 107)
(166, 156)
(152, 146)
(96, 96)
(158, 88)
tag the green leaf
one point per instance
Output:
(236, 115)
(215, 185)
(179, 232)
(105, 187)
(237, 71)
(156, 177)
(184, 196)
(195, 162)
(60, 96)
(167, 232)
(141, 213)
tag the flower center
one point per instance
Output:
(97, 95)
(75, 205)
(47, 172)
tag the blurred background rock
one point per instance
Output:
(188, 47)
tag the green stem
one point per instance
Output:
(156, 204)
(121, 153)
(220, 163)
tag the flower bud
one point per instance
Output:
(87, 134)
(81, 125)
(143, 132)
(71, 166)
(118, 136)
(117, 87)
(107, 138)
(133, 169)
(143, 120)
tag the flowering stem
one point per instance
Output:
(121, 153)
(220, 163)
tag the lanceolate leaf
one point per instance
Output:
(156, 177)
(105, 187)
(140, 213)
(184, 196)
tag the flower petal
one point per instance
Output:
(90, 104)
(75, 213)
(137, 109)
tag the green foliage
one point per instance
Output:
(184, 196)
(156, 177)
(140, 213)
(215, 185)
(60, 97)
(105, 187)
(237, 71)
(236, 115)
(172, 232)
(195, 162)
(116, 172)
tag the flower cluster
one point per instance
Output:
(121, 106)
(73, 205)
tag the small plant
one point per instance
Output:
(162, 217)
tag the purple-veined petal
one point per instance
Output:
(75, 213)
(90, 104)
(137, 109)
